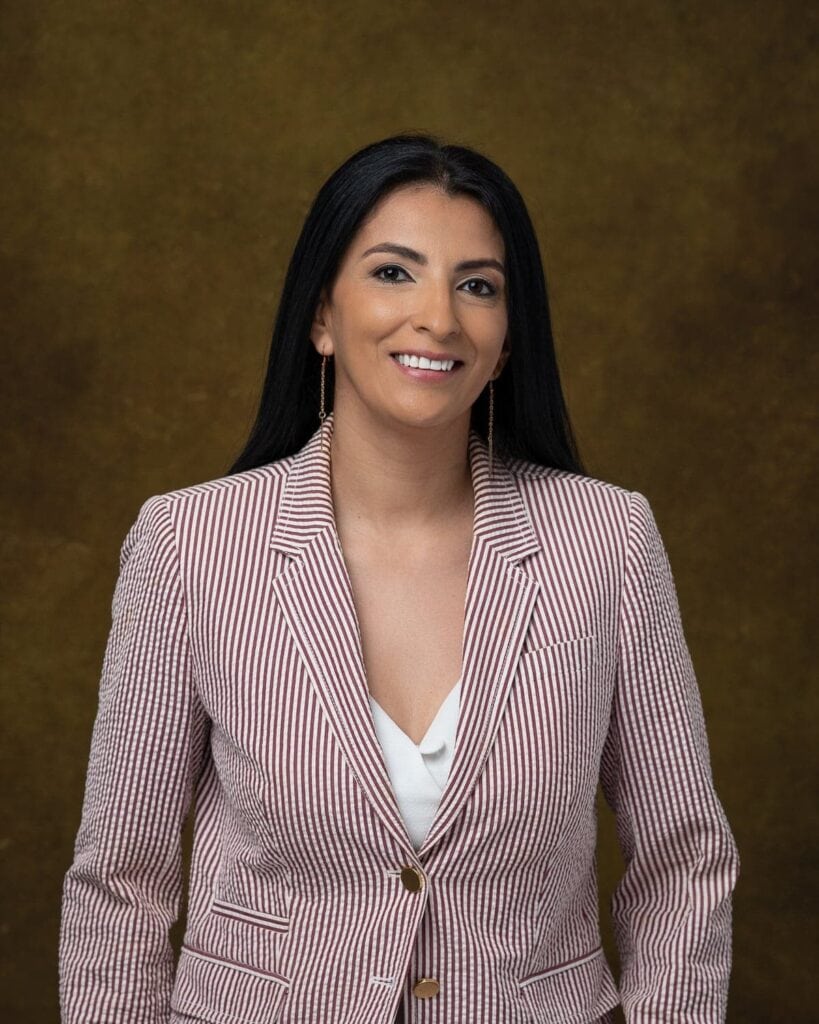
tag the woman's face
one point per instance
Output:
(421, 301)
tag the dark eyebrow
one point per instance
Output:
(417, 257)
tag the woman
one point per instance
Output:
(387, 659)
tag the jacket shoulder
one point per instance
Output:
(253, 493)
(575, 515)
(587, 506)
(534, 476)
(230, 487)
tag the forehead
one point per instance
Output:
(424, 217)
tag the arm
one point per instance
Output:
(672, 907)
(123, 890)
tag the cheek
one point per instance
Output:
(375, 316)
(488, 329)
(383, 311)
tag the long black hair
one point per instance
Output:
(531, 420)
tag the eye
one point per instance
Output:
(388, 280)
(377, 274)
(479, 280)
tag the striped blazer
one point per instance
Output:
(233, 683)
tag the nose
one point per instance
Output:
(435, 312)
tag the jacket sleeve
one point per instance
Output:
(672, 907)
(122, 891)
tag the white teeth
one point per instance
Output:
(422, 363)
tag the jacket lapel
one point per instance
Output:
(316, 598)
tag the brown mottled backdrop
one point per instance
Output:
(158, 160)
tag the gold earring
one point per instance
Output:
(491, 420)
(322, 411)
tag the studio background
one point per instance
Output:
(158, 162)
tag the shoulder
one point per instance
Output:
(584, 519)
(232, 503)
(538, 482)
(586, 504)
(227, 489)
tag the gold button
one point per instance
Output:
(412, 878)
(425, 988)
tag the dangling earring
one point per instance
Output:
(491, 420)
(322, 411)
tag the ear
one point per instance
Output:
(320, 332)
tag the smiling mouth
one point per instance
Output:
(424, 363)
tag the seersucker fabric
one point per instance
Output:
(233, 688)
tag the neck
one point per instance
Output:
(393, 479)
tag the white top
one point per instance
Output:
(418, 772)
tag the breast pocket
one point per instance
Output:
(569, 695)
(554, 728)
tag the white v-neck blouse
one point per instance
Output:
(418, 772)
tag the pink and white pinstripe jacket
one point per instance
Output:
(233, 681)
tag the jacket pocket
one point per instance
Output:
(243, 934)
(565, 693)
(570, 654)
(248, 915)
(220, 991)
(574, 992)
